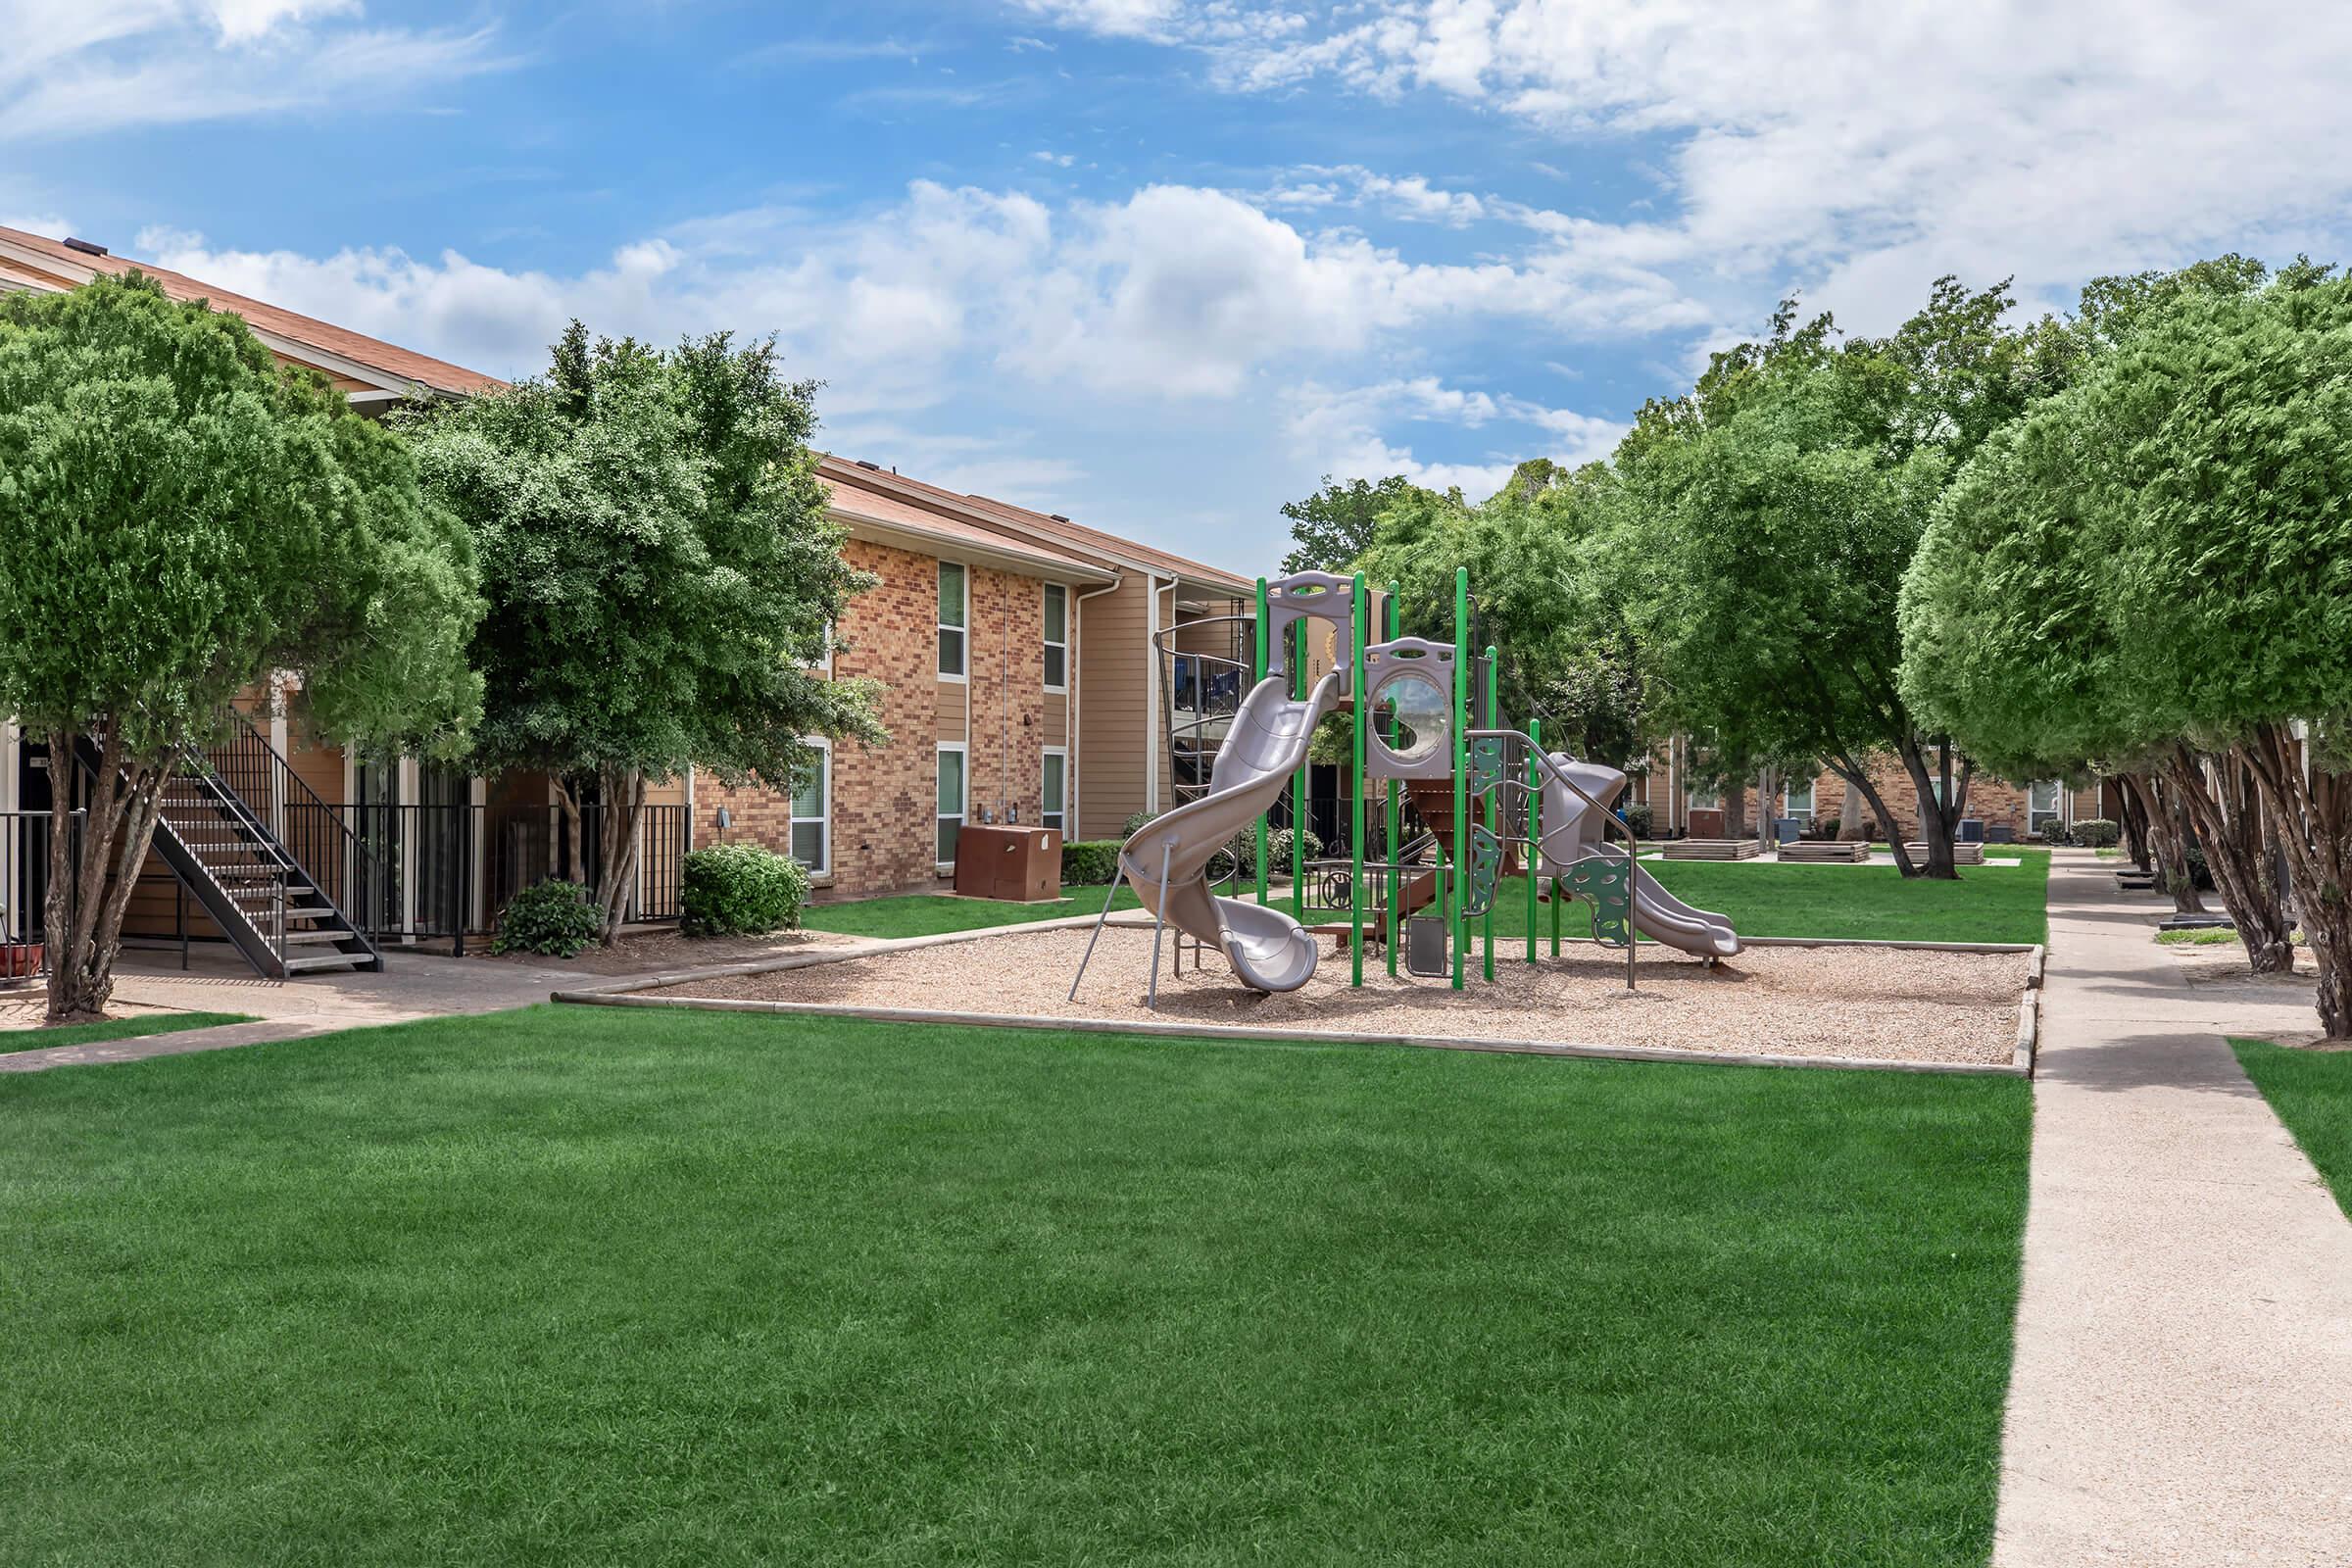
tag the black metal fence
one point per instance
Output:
(24, 840)
(445, 871)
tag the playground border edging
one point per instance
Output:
(628, 990)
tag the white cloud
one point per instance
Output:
(1862, 149)
(1354, 431)
(77, 70)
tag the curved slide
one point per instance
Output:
(1268, 948)
(1573, 831)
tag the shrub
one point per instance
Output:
(2097, 833)
(1826, 828)
(553, 917)
(1639, 818)
(1090, 862)
(1278, 847)
(1135, 824)
(740, 890)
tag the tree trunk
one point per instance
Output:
(2313, 816)
(90, 894)
(1937, 818)
(1857, 778)
(569, 805)
(2133, 821)
(619, 834)
(1850, 814)
(2228, 820)
(2167, 842)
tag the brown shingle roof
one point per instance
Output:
(1004, 515)
(64, 264)
(891, 515)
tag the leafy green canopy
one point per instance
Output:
(179, 516)
(659, 565)
(1331, 529)
(2162, 553)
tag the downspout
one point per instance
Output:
(1004, 706)
(1154, 721)
(1070, 738)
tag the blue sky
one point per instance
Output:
(1162, 264)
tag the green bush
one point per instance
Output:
(2097, 833)
(731, 890)
(1090, 862)
(1278, 847)
(1639, 818)
(553, 917)
(1826, 826)
(1135, 824)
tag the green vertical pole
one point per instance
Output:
(1388, 615)
(1493, 821)
(1358, 622)
(1299, 785)
(1535, 827)
(1258, 650)
(1458, 925)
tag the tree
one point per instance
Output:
(2203, 463)
(1776, 552)
(1332, 527)
(661, 573)
(181, 516)
(1850, 441)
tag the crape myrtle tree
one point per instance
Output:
(180, 516)
(1550, 579)
(661, 575)
(2210, 454)
(1779, 503)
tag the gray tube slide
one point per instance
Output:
(1573, 831)
(1268, 948)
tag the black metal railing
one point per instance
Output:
(445, 871)
(24, 840)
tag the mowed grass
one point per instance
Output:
(923, 914)
(1762, 898)
(2311, 1093)
(602, 1284)
(90, 1033)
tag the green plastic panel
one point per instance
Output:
(1606, 882)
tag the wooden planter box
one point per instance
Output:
(20, 961)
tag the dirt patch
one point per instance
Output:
(29, 1006)
(2223, 964)
(650, 952)
(1887, 1004)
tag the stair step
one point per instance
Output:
(325, 961)
(319, 934)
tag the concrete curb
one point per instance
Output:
(2029, 1024)
(1319, 1037)
(173, 1043)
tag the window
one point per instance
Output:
(1705, 797)
(950, 798)
(954, 606)
(2045, 800)
(813, 811)
(1054, 796)
(1057, 638)
(1797, 799)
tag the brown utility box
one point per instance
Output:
(1706, 822)
(1019, 864)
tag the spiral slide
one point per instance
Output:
(1166, 859)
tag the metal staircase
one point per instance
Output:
(222, 850)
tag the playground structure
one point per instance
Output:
(1486, 795)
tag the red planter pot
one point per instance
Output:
(20, 961)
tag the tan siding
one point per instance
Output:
(1057, 723)
(950, 701)
(1114, 695)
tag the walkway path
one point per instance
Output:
(2182, 1388)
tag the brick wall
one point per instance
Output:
(884, 820)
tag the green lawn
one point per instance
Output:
(923, 914)
(90, 1033)
(2311, 1093)
(599, 1285)
(1762, 898)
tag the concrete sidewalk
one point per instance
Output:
(2182, 1384)
(410, 986)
